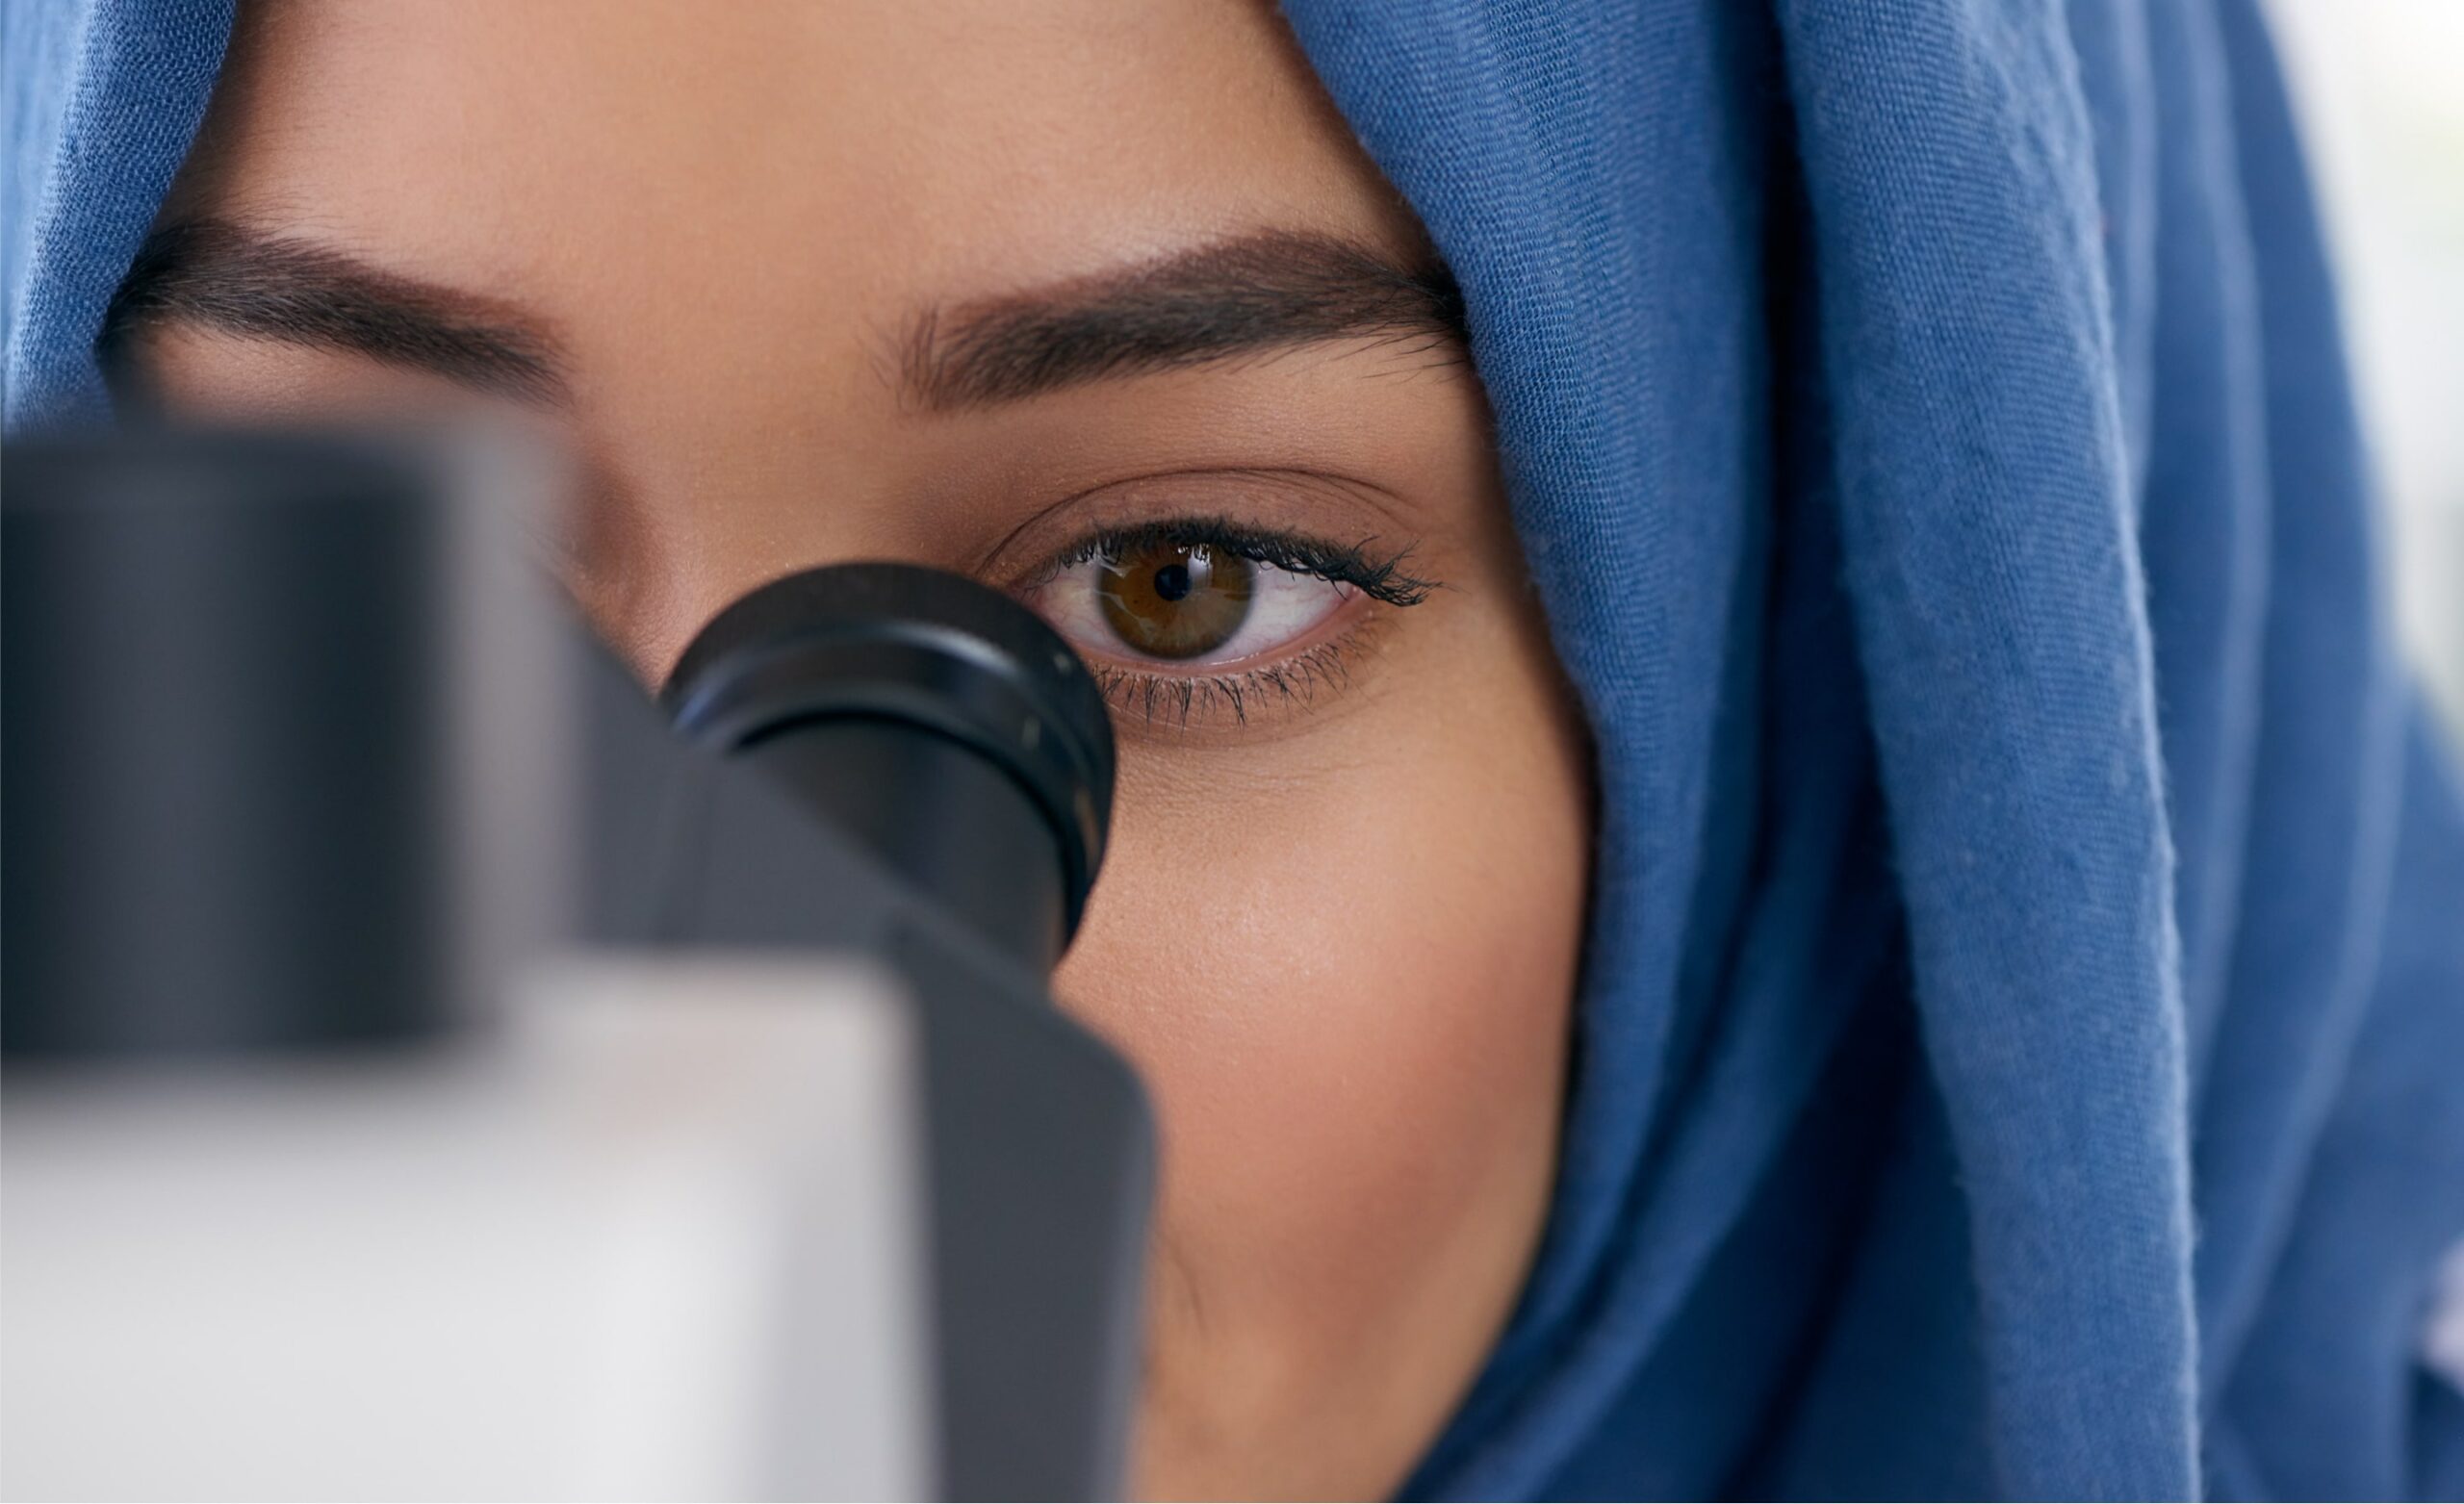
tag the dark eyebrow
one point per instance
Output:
(1268, 290)
(218, 275)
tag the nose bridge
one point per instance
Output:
(729, 527)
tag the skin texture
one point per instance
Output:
(1336, 934)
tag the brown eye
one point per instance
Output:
(1165, 608)
(1176, 600)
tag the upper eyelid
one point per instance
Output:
(1125, 501)
(1377, 572)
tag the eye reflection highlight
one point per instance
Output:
(1155, 606)
(1189, 605)
(1176, 599)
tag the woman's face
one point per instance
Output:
(1101, 304)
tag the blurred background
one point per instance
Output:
(2379, 85)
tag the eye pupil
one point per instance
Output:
(1177, 600)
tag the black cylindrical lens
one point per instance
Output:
(937, 722)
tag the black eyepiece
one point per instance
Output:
(938, 721)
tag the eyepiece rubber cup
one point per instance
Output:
(932, 649)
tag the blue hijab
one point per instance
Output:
(2022, 1048)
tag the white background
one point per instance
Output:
(2379, 87)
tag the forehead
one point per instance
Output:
(769, 167)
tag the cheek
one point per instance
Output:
(1334, 996)
(1348, 991)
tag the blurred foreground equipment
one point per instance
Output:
(428, 1075)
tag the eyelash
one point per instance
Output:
(1344, 564)
(1299, 677)
(1302, 676)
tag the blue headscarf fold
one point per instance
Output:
(1928, 428)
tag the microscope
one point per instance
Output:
(434, 1065)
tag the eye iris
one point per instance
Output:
(1177, 600)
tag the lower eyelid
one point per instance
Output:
(1306, 676)
(1282, 691)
